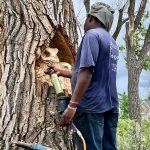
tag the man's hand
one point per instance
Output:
(67, 116)
(53, 69)
(58, 71)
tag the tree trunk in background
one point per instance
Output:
(134, 71)
(135, 61)
(133, 67)
(27, 101)
(133, 87)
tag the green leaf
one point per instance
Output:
(121, 47)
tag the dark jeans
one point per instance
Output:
(98, 130)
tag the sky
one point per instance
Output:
(122, 77)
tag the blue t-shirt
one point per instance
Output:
(98, 50)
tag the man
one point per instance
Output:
(94, 103)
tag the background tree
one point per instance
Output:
(135, 56)
(28, 32)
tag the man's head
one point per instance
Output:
(100, 15)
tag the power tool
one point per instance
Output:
(62, 99)
(31, 146)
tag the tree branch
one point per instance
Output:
(125, 20)
(140, 14)
(120, 21)
(146, 47)
(119, 24)
(126, 36)
(87, 5)
(131, 24)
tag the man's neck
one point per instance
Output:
(97, 26)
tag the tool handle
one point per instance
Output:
(40, 147)
(24, 145)
(57, 86)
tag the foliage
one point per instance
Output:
(124, 106)
(139, 37)
(121, 47)
(131, 136)
(125, 131)
(140, 34)
(147, 63)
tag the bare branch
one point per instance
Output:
(131, 7)
(140, 14)
(87, 5)
(79, 27)
(126, 36)
(79, 12)
(119, 24)
(120, 20)
(146, 46)
(125, 20)
(131, 24)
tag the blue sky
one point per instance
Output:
(122, 78)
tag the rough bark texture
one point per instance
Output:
(133, 80)
(135, 63)
(27, 101)
(133, 68)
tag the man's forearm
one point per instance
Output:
(83, 82)
(67, 74)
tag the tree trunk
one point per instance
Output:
(27, 101)
(135, 61)
(134, 71)
(133, 89)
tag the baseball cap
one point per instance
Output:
(104, 13)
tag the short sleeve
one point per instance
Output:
(89, 50)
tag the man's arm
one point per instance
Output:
(83, 82)
(64, 73)
(58, 71)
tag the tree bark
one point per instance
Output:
(135, 62)
(27, 101)
(134, 70)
